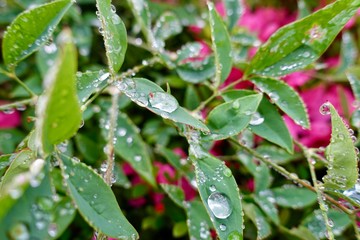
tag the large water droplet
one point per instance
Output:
(256, 119)
(19, 232)
(219, 205)
(235, 235)
(325, 109)
(163, 101)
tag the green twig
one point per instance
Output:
(18, 103)
(14, 77)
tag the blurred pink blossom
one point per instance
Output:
(11, 120)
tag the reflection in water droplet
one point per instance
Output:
(19, 232)
(325, 109)
(163, 101)
(227, 172)
(219, 205)
(256, 119)
(212, 188)
(222, 227)
(52, 230)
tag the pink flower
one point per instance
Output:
(165, 173)
(190, 192)
(298, 79)
(11, 120)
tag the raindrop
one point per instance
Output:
(113, 8)
(325, 109)
(219, 205)
(52, 230)
(340, 136)
(21, 107)
(236, 104)
(9, 111)
(19, 232)
(163, 101)
(256, 119)
(115, 19)
(227, 172)
(212, 188)
(137, 158)
(121, 132)
(104, 76)
(354, 139)
(222, 227)
(129, 140)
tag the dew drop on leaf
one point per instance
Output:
(222, 227)
(235, 235)
(163, 101)
(19, 231)
(212, 188)
(325, 109)
(256, 119)
(219, 205)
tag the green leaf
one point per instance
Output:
(234, 10)
(166, 26)
(64, 214)
(259, 220)
(298, 44)
(349, 52)
(121, 178)
(299, 233)
(221, 45)
(188, 51)
(4, 163)
(23, 37)
(9, 139)
(315, 223)
(114, 33)
(273, 127)
(353, 77)
(58, 111)
(342, 170)
(131, 147)
(179, 229)
(276, 154)
(293, 197)
(95, 200)
(175, 193)
(285, 97)
(198, 222)
(196, 71)
(191, 99)
(148, 94)
(230, 118)
(88, 147)
(266, 201)
(220, 195)
(88, 83)
(45, 57)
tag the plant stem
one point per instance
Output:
(14, 77)
(18, 103)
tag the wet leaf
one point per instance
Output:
(353, 75)
(266, 201)
(293, 197)
(148, 94)
(114, 33)
(4, 163)
(166, 26)
(64, 214)
(221, 45)
(234, 10)
(88, 83)
(349, 52)
(300, 43)
(197, 71)
(342, 170)
(259, 220)
(285, 97)
(276, 154)
(95, 200)
(198, 222)
(230, 118)
(23, 37)
(220, 195)
(175, 193)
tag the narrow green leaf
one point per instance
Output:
(230, 118)
(175, 193)
(114, 33)
(221, 45)
(148, 94)
(23, 37)
(198, 222)
(259, 220)
(299, 233)
(220, 195)
(192, 98)
(315, 223)
(293, 197)
(95, 200)
(342, 170)
(58, 111)
(266, 201)
(353, 77)
(88, 82)
(298, 44)
(285, 97)
(273, 127)
(349, 52)
(121, 178)
(234, 10)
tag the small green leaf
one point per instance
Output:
(131, 147)
(220, 195)
(234, 10)
(230, 118)
(315, 223)
(88, 82)
(175, 193)
(148, 94)
(285, 97)
(198, 222)
(353, 77)
(114, 33)
(166, 26)
(298, 44)
(95, 200)
(221, 45)
(293, 197)
(342, 170)
(196, 71)
(273, 127)
(58, 111)
(23, 37)
(349, 52)
(259, 220)
(266, 201)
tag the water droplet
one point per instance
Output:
(163, 101)
(340, 136)
(325, 109)
(9, 111)
(256, 119)
(222, 227)
(52, 230)
(353, 138)
(137, 158)
(104, 76)
(21, 107)
(115, 19)
(121, 132)
(19, 232)
(227, 172)
(236, 104)
(212, 188)
(219, 205)
(235, 235)
(113, 8)
(129, 140)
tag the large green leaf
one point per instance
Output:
(23, 37)
(198, 222)
(114, 32)
(95, 200)
(298, 44)
(230, 118)
(220, 195)
(234, 10)
(131, 147)
(285, 97)
(148, 94)
(259, 220)
(293, 197)
(58, 111)
(221, 45)
(273, 127)
(342, 170)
